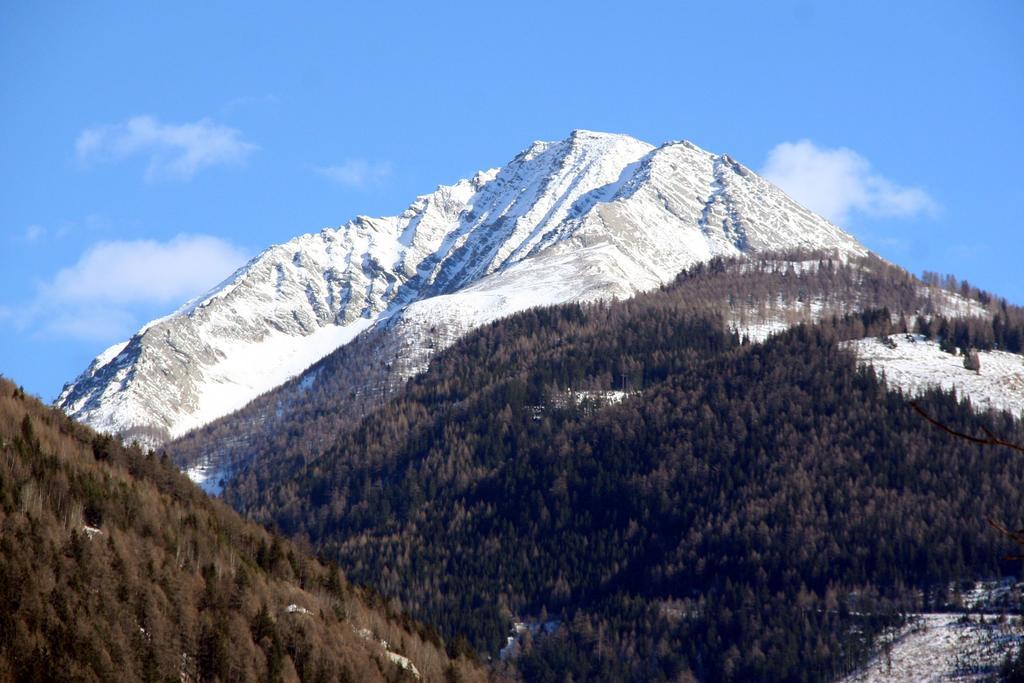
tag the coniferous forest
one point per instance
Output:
(653, 494)
(114, 567)
(673, 500)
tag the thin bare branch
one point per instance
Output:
(1015, 536)
(990, 439)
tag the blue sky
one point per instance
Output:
(183, 141)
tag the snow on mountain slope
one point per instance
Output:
(943, 647)
(914, 364)
(592, 216)
(649, 229)
(683, 205)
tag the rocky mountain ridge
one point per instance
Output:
(594, 216)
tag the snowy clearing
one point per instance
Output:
(914, 364)
(943, 647)
(208, 477)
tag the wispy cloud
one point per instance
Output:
(38, 233)
(34, 232)
(175, 151)
(146, 270)
(838, 182)
(357, 173)
(103, 294)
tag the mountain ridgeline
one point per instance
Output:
(115, 567)
(670, 499)
(593, 216)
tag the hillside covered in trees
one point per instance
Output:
(115, 567)
(310, 413)
(673, 500)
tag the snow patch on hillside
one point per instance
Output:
(943, 647)
(759, 332)
(402, 661)
(953, 305)
(208, 476)
(525, 629)
(758, 326)
(915, 364)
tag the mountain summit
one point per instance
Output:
(592, 216)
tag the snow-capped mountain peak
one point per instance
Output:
(594, 215)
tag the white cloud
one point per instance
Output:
(357, 173)
(838, 182)
(116, 286)
(173, 150)
(34, 232)
(123, 272)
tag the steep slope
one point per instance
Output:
(755, 296)
(744, 512)
(592, 216)
(114, 567)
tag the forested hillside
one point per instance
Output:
(114, 567)
(310, 413)
(679, 502)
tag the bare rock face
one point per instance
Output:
(592, 216)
